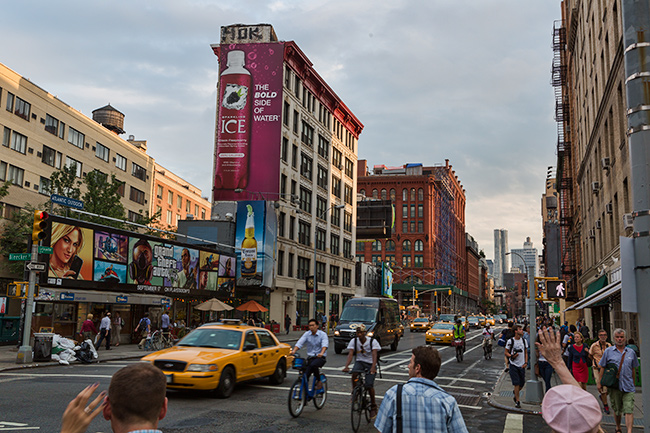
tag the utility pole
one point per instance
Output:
(636, 19)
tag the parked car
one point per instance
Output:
(215, 357)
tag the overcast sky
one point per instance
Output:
(430, 80)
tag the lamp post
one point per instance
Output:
(533, 386)
(324, 213)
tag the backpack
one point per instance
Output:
(511, 342)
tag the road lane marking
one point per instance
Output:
(99, 376)
(514, 423)
(454, 358)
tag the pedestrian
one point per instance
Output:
(88, 330)
(105, 331)
(596, 352)
(136, 401)
(633, 346)
(567, 340)
(584, 330)
(164, 324)
(564, 329)
(287, 322)
(506, 335)
(622, 398)
(545, 370)
(144, 327)
(579, 360)
(425, 407)
(517, 354)
(117, 324)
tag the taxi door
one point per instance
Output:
(250, 357)
(270, 352)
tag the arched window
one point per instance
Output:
(392, 194)
(418, 246)
(376, 246)
(406, 245)
(375, 193)
(383, 194)
(363, 192)
(412, 194)
(420, 194)
(405, 193)
(390, 245)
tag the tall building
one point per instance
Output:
(428, 246)
(593, 167)
(501, 260)
(551, 229)
(529, 264)
(295, 143)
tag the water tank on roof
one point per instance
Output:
(110, 119)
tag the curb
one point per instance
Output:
(56, 364)
(492, 401)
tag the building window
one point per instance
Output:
(196, 209)
(404, 194)
(202, 214)
(6, 137)
(304, 233)
(412, 226)
(76, 138)
(361, 246)
(406, 245)
(303, 268)
(18, 142)
(280, 262)
(337, 158)
(420, 227)
(138, 171)
(292, 227)
(406, 261)
(334, 275)
(3, 171)
(347, 277)
(52, 124)
(283, 186)
(296, 119)
(179, 202)
(15, 175)
(51, 157)
(347, 222)
(307, 135)
(420, 194)
(170, 217)
(336, 217)
(418, 261)
(349, 168)
(294, 155)
(405, 227)
(136, 195)
(405, 211)
(121, 188)
(102, 152)
(70, 162)
(392, 194)
(412, 211)
(323, 147)
(376, 259)
(418, 245)
(420, 211)
(306, 166)
(10, 102)
(281, 219)
(412, 194)
(320, 272)
(188, 207)
(336, 186)
(305, 199)
(320, 239)
(348, 194)
(375, 193)
(384, 194)
(285, 149)
(285, 113)
(390, 245)
(22, 108)
(376, 245)
(322, 176)
(44, 186)
(290, 265)
(347, 248)
(334, 245)
(170, 198)
(390, 259)
(321, 208)
(120, 162)
(134, 217)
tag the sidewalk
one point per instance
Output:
(8, 354)
(502, 398)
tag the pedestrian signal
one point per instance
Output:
(40, 224)
(556, 288)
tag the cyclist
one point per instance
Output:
(317, 343)
(459, 331)
(488, 335)
(366, 350)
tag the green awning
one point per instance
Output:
(596, 286)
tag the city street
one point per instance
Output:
(35, 399)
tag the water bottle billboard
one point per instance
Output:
(249, 120)
(255, 243)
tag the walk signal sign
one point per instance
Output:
(40, 224)
(556, 288)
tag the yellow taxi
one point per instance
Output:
(440, 333)
(420, 324)
(465, 322)
(481, 320)
(490, 320)
(216, 356)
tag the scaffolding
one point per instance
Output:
(445, 231)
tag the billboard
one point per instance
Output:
(90, 256)
(255, 242)
(386, 280)
(249, 116)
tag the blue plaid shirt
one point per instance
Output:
(146, 431)
(425, 408)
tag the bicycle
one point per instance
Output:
(459, 343)
(300, 394)
(487, 347)
(360, 400)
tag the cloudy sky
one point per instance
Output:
(430, 80)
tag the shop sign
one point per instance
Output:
(121, 299)
(66, 296)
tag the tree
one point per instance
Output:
(14, 236)
(102, 197)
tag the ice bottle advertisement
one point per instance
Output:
(255, 243)
(248, 130)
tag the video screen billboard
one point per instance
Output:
(248, 134)
(255, 241)
(90, 256)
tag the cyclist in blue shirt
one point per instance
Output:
(317, 344)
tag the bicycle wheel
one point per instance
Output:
(297, 398)
(357, 408)
(366, 404)
(320, 396)
(459, 353)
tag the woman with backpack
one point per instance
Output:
(579, 360)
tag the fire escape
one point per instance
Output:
(569, 242)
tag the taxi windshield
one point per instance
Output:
(443, 326)
(421, 320)
(359, 313)
(213, 338)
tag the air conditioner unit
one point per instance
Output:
(604, 163)
(598, 225)
(595, 187)
(628, 221)
(609, 208)
(592, 233)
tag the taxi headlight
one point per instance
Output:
(203, 367)
(337, 333)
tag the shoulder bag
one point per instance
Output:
(612, 373)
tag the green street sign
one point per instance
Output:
(45, 250)
(20, 256)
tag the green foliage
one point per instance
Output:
(102, 197)
(15, 232)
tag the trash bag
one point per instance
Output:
(85, 353)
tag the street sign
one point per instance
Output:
(19, 256)
(36, 266)
(45, 250)
(66, 201)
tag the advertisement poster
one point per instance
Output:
(255, 239)
(386, 280)
(249, 116)
(89, 256)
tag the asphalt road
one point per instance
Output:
(34, 399)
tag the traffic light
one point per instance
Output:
(416, 294)
(449, 292)
(556, 289)
(40, 224)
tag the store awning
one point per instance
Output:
(600, 295)
(50, 294)
(596, 286)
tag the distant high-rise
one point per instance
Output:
(530, 262)
(501, 261)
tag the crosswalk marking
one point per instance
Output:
(514, 423)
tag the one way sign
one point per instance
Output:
(556, 288)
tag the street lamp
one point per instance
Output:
(321, 215)
(533, 386)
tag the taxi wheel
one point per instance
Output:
(226, 383)
(279, 374)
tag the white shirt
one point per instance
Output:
(488, 332)
(364, 352)
(314, 342)
(106, 323)
(515, 345)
